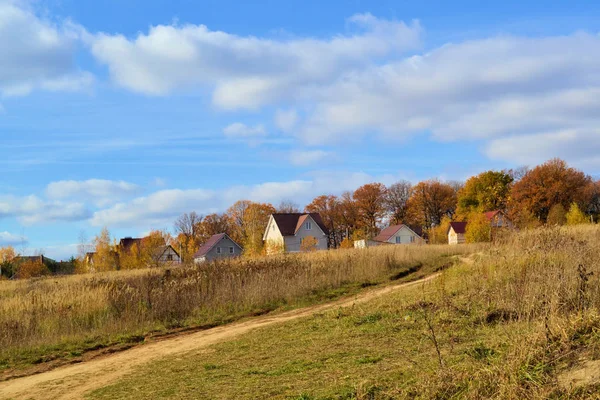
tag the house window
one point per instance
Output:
(398, 240)
(218, 250)
(412, 239)
(308, 226)
(231, 250)
(170, 257)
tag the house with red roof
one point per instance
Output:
(394, 234)
(217, 247)
(498, 219)
(287, 231)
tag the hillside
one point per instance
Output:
(520, 321)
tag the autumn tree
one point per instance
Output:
(430, 201)
(151, 248)
(439, 233)
(7, 255)
(105, 256)
(396, 201)
(575, 216)
(478, 228)
(248, 221)
(31, 267)
(328, 206)
(487, 191)
(553, 182)
(557, 215)
(370, 204)
(214, 224)
(309, 243)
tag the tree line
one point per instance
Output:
(551, 193)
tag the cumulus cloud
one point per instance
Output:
(483, 89)
(245, 71)
(161, 208)
(37, 54)
(32, 210)
(10, 239)
(99, 191)
(238, 130)
(308, 157)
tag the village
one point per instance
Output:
(488, 205)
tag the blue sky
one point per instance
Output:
(127, 113)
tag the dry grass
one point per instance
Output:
(512, 324)
(43, 319)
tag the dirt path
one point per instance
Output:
(73, 381)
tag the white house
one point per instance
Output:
(287, 231)
(456, 232)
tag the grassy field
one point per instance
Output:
(519, 321)
(53, 320)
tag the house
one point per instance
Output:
(498, 219)
(163, 253)
(456, 232)
(400, 234)
(167, 255)
(287, 231)
(218, 246)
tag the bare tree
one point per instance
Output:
(396, 201)
(187, 224)
(288, 206)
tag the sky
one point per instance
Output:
(126, 114)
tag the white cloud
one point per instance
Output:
(241, 131)
(308, 157)
(9, 239)
(37, 54)
(32, 210)
(99, 191)
(286, 120)
(480, 89)
(160, 209)
(245, 71)
(583, 147)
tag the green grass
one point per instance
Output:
(506, 327)
(382, 348)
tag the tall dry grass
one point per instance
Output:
(44, 315)
(534, 300)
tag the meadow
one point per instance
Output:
(61, 319)
(517, 320)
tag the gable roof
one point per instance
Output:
(390, 231)
(290, 223)
(491, 214)
(212, 242)
(158, 253)
(459, 227)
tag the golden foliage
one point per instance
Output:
(309, 243)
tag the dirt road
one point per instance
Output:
(73, 381)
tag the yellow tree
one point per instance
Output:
(152, 246)
(487, 191)
(439, 233)
(370, 201)
(557, 215)
(256, 217)
(105, 257)
(478, 228)
(575, 216)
